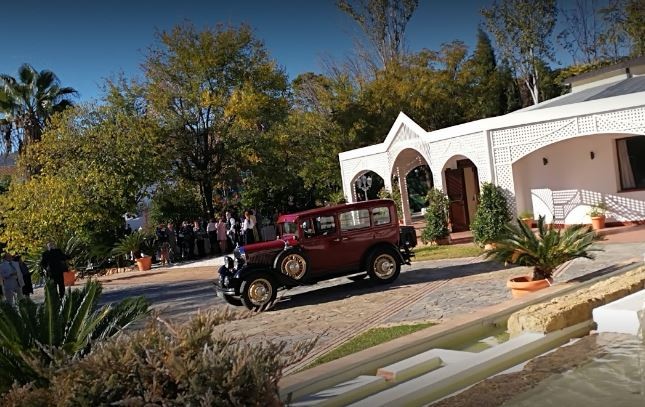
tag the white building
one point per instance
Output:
(556, 159)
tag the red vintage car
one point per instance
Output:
(362, 238)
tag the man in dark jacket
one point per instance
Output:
(54, 262)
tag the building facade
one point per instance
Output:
(555, 159)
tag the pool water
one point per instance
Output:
(613, 376)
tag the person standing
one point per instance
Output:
(221, 234)
(11, 277)
(247, 228)
(200, 237)
(231, 229)
(172, 242)
(54, 261)
(28, 288)
(211, 230)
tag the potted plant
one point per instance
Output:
(75, 255)
(527, 217)
(134, 244)
(491, 217)
(436, 230)
(597, 214)
(544, 251)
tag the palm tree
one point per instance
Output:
(545, 251)
(27, 103)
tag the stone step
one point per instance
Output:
(419, 364)
(344, 393)
(453, 376)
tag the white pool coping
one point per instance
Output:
(626, 315)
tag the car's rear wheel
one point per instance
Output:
(232, 300)
(258, 292)
(383, 266)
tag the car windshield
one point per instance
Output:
(288, 228)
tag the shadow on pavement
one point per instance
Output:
(366, 286)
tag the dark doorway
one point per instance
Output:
(462, 188)
(419, 182)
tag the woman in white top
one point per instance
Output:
(11, 279)
(247, 228)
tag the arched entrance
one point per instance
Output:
(461, 183)
(368, 185)
(419, 182)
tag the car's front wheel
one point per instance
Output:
(383, 266)
(258, 292)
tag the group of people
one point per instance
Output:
(196, 239)
(15, 278)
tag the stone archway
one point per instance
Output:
(461, 184)
(419, 181)
(406, 161)
(367, 185)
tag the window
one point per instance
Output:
(381, 216)
(631, 162)
(357, 219)
(325, 225)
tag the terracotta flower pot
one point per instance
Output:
(489, 246)
(528, 222)
(598, 222)
(521, 286)
(144, 263)
(69, 278)
(443, 241)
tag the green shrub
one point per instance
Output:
(191, 364)
(436, 217)
(492, 215)
(41, 334)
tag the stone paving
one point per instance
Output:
(336, 310)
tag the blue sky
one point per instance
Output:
(84, 42)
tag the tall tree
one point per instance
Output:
(484, 81)
(635, 25)
(383, 22)
(522, 30)
(582, 36)
(215, 91)
(27, 103)
(615, 40)
(97, 163)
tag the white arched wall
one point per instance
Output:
(509, 145)
(571, 182)
(406, 160)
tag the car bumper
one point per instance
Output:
(221, 291)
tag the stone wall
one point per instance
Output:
(576, 307)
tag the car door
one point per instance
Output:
(320, 242)
(355, 236)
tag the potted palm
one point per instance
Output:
(133, 244)
(597, 214)
(544, 251)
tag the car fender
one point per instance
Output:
(281, 279)
(377, 246)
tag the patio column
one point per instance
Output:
(405, 205)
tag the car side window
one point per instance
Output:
(308, 228)
(325, 225)
(381, 216)
(356, 219)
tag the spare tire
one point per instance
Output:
(292, 264)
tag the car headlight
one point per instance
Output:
(229, 263)
(226, 281)
(241, 254)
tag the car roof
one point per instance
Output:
(335, 208)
